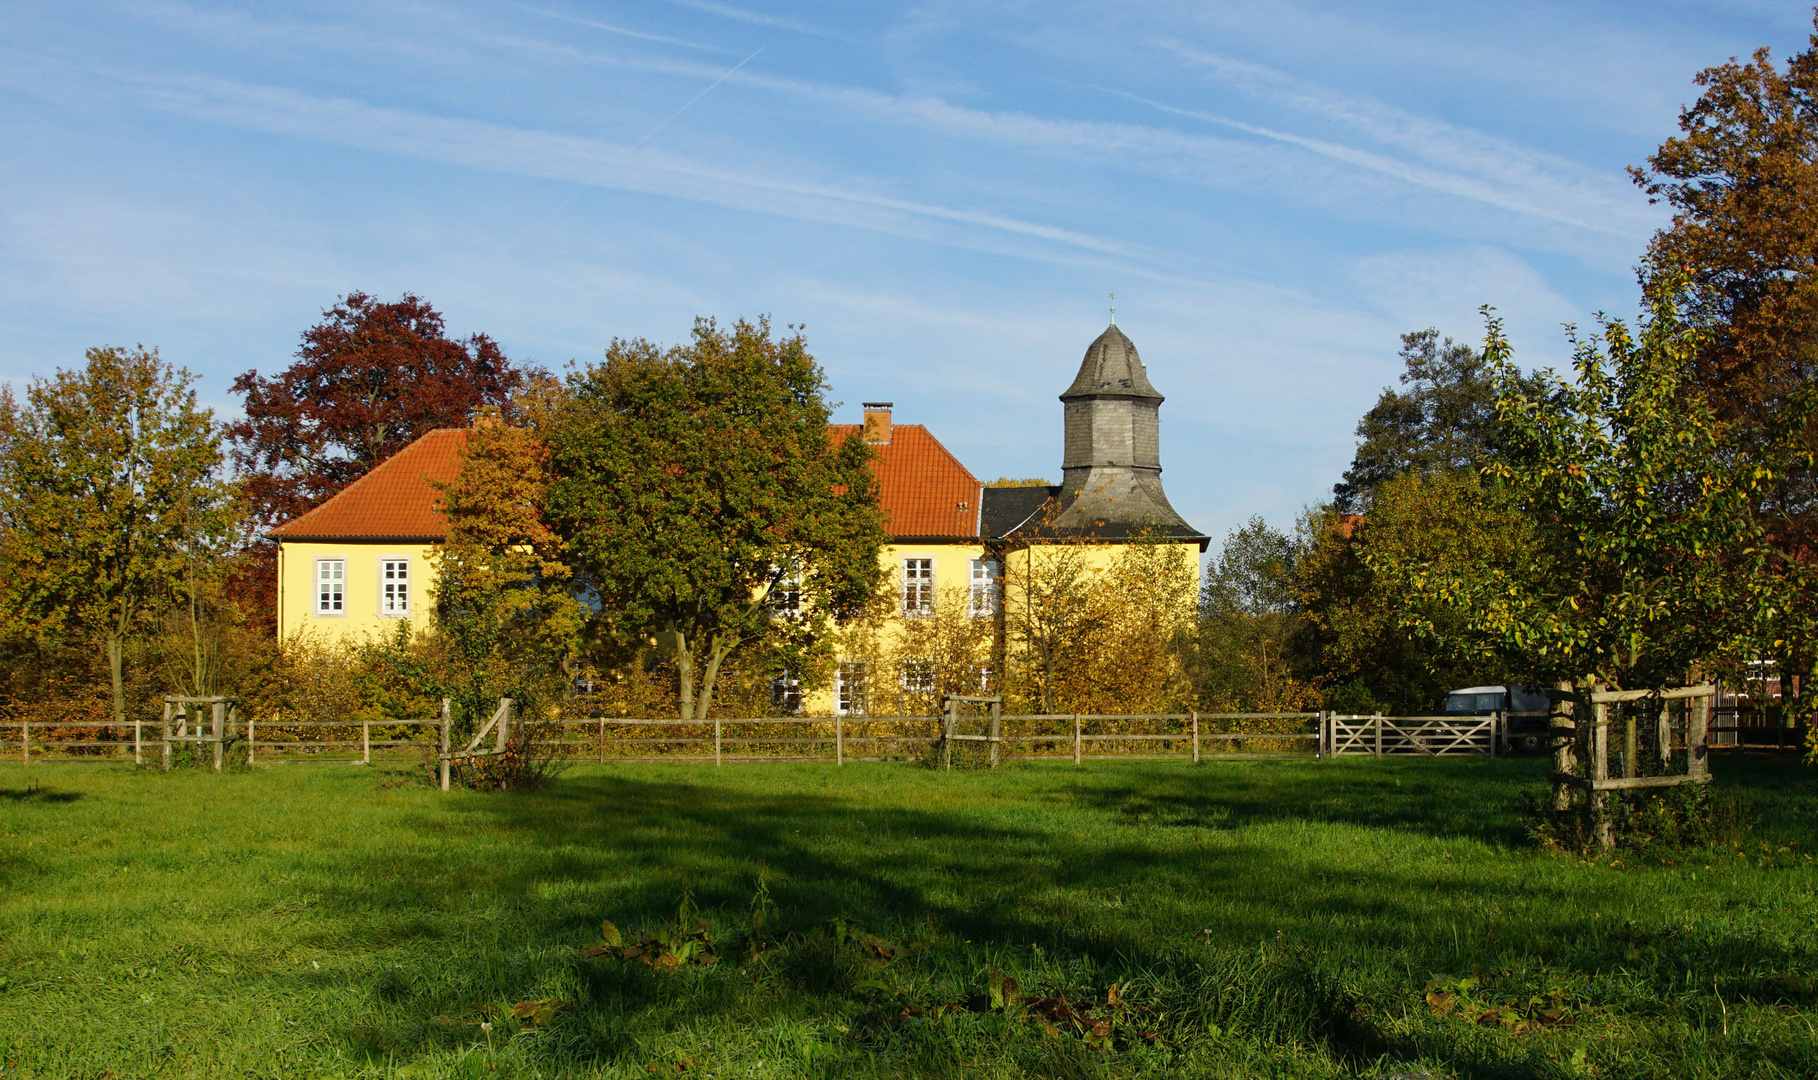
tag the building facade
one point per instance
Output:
(359, 564)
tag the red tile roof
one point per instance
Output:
(923, 489)
(921, 486)
(394, 501)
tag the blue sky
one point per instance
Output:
(944, 193)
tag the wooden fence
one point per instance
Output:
(1434, 736)
(838, 739)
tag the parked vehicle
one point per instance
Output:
(1524, 710)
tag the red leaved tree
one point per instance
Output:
(370, 378)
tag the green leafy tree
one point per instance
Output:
(691, 484)
(1645, 552)
(1443, 419)
(1358, 615)
(111, 500)
(1242, 657)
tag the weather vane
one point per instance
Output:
(1113, 309)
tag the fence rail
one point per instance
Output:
(1057, 736)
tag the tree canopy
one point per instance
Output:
(1644, 551)
(370, 378)
(1444, 418)
(110, 499)
(691, 483)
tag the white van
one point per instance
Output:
(1524, 710)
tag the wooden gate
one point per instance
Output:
(1433, 736)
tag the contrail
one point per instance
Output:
(553, 214)
(698, 97)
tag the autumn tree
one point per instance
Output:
(1358, 617)
(1096, 630)
(111, 500)
(503, 603)
(369, 379)
(1740, 255)
(1740, 260)
(690, 484)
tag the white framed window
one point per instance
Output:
(394, 586)
(331, 586)
(918, 586)
(786, 596)
(786, 694)
(983, 594)
(849, 698)
(984, 678)
(918, 676)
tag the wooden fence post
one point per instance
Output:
(1379, 735)
(1196, 736)
(1600, 770)
(217, 726)
(839, 740)
(25, 741)
(947, 736)
(1076, 738)
(252, 743)
(166, 751)
(1697, 759)
(602, 740)
(366, 742)
(1630, 744)
(716, 740)
(138, 742)
(996, 730)
(445, 746)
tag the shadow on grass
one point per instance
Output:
(1106, 875)
(1445, 798)
(33, 793)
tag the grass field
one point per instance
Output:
(1279, 918)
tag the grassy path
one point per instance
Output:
(1258, 919)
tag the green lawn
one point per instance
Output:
(1270, 918)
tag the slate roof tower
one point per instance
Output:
(1111, 468)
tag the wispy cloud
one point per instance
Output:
(756, 18)
(1457, 160)
(554, 156)
(625, 31)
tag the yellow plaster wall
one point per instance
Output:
(361, 618)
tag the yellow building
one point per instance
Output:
(358, 564)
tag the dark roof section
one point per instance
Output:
(1007, 509)
(1112, 369)
(1025, 513)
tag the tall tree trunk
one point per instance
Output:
(1562, 725)
(716, 652)
(116, 664)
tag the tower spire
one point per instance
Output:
(1113, 309)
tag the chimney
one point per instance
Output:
(877, 422)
